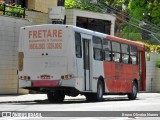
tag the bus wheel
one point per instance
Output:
(100, 91)
(55, 96)
(92, 97)
(133, 95)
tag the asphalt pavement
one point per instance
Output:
(24, 103)
(34, 97)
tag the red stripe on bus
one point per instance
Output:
(45, 83)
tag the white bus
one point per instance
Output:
(67, 60)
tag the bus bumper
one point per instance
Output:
(76, 83)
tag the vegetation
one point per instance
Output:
(12, 9)
(158, 63)
(82, 4)
(135, 18)
(15, 11)
(152, 48)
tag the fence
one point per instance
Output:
(15, 11)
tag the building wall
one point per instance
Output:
(36, 18)
(41, 5)
(152, 74)
(9, 35)
(71, 15)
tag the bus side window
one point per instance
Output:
(107, 56)
(133, 55)
(125, 53)
(97, 54)
(97, 48)
(78, 46)
(134, 60)
(116, 56)
(107, 50)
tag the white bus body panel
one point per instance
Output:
(50, 56)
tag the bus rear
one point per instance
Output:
(45, 59)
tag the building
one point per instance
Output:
(9, 35)
(153, 73)
(9, 32)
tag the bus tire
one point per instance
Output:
(100, 91)
(55, 96)
(96, 97)
(133, 95)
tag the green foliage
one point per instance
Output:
(137, 8)
(15, 10)
(117, 3)
(158, 63)
(155, 13)
(82, 4)
(152, 48)
(146, 10)
(1, 7)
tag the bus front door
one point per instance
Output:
(86, 61)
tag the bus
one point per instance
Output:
(64, 60)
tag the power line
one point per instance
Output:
(147, 26)
(114, 12)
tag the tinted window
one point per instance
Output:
(115, 46)
(125, 58)
(97, 48)
(78, 45)
(107, 50)
(106, 45)
(125, 53)
(116, 56)
(133, 50)
(97, 42)
(133, 55)
(125, 48)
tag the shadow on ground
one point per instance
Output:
(66, 101)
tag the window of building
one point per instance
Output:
(107, 50)
(60, 2)
(116, 56)
(78, 45)
(98, 25)
(97, 48)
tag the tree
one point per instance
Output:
(130, 14)
(155, 12)
(146, 10)
(82, 4)
(118, 4)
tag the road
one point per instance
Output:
(144, 102)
